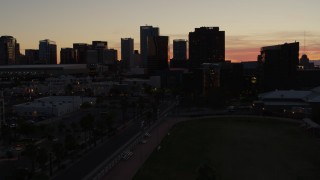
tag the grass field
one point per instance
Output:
(235, 149)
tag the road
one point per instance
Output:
(103, 151)
(97, 155)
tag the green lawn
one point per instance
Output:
(236, 149)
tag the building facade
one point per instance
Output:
(47, 52)
(278, 66)
(2, 112)
(68, 56)
(9, 49)
(145, 32)
(158, 49)
(179, 59)
(127, 53)
(99, 47)
(110, 56)
(206, 45)
(81, 50)
(180, 49)
(32, 56)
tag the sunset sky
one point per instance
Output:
(249, 24)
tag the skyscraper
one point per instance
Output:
(2, 112)
(110, 56)
(157, 59)
(8, 50)
(179, 59)
(145, 32)
(99, 46)
(180, 49)
(279, 66)
(206, 45)
(68, 56)
(31, 56)
(127, 52)
(47, 52)
(81, 50)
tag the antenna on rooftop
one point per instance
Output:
(304, 42)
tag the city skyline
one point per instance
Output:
(248, 25)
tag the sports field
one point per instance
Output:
(235, 149)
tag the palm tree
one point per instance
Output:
(31, 152)
(87, 124)
(110, 121)
(42, 157)
(59, 151)
(206, 172)
(70, 142)
(124, 106)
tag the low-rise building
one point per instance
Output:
(52, 106)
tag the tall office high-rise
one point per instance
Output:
(8, 50)
(179, 59)
(279, 66)
(110, 56)
(2, 112)
(47, 52)
(68, 56)
(206, 45)
(99, 47)
(81, 50)
(31, 56)
(127, 52)
(145, 32)
(180, 49)
(158, 48)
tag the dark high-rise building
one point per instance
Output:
(137, 59)
(110, 56)
(99, 46)
(180, 49)
(8, 50)
(145, 32)
(179, 59)
(32, 56)
(158, 49)
(2, 112)
(127, 52)
(279, 66)
(47, 52)
(81, 50)
(19, 56)
(206, 45)
(68, 56)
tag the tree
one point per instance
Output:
(26, 128)
(87, 124)
(61, 126)
(124, 107)
(206, 172)
(70, 142)
(85, 105)
(68, 89)
(31, 152)
(42, 157)
(109, 118)
(58, 150)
